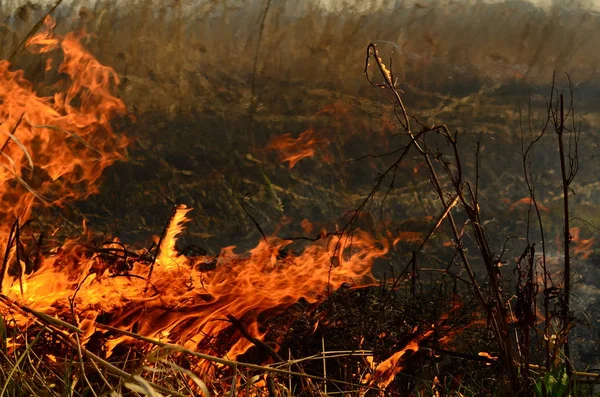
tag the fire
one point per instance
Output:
(56, 147)
(582, 246)
(179, 300)
(307, 226)
(408, 237)
(488, 356)
(292, 150)
(386, 371)
(526, 201)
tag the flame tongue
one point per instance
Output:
(183, 302)
(55, 148)
(168, 255)
(292, 150)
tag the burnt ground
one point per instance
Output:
(211, 157)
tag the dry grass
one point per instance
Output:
(176, 58)
(176, 55)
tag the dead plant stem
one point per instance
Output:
(566, 234)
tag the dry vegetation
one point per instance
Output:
(213, 88)
(181, 56)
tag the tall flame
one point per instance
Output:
(55, 147)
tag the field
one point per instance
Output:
(366, 262)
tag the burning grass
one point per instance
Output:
(105, 310)
(57, 146)
(308, 314)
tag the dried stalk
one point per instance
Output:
(495, 308)
(230, 363)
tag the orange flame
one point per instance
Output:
(526, 201)
(56, 147)
(408, 237)
(183, 302)
(293, 150)
(583, 246)
(307, 226)
(386, 371)
(487, 355)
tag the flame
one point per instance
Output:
(436, 387)
(583, 246)
(293, 150)
(487, 355)
(168, 254)
(386, 371)
(179, 300)
(408, 237)
(307, 226)
(55, 147)
(526, 201)
(338, 108)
